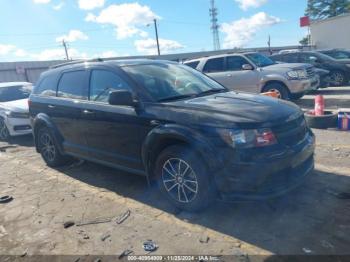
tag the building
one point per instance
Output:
(333, 32)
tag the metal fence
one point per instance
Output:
(30, 71)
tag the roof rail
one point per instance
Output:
(77, 62)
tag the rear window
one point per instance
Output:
(12, 93)
(47, 86)
(214, 65)
(73, 85)
(193, 64)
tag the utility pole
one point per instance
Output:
(156, 29)
(213, 11)
(65, 49)
(269, 45)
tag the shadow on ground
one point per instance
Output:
(26, 141)
(311, 218)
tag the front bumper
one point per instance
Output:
(304, 86)
(269, 174)
(18, 126)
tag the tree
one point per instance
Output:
(305, 40)
(321, 9)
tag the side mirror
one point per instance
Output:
(247, 67)
(313, 59)
(121, 98)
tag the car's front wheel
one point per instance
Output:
(281, 90)
(49, 150)
(183, 178)
(4, 132)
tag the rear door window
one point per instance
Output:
(103, 82)
(214, 65)
(193, 64)
(73, 85)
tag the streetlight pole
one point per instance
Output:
(156, 29)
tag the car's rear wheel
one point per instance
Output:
(281, 91)
(4, 132)
(338, 78)
(183, 178)
(49, 150)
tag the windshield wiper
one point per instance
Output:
(172, 98)
(211, 91)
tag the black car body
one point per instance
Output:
(233, 144)
(339, 70)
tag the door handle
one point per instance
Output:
(51, 106)
(88, 112)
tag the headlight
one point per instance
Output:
(249, 138)
(297, 74)
(11, 114)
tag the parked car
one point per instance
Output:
(174, 125)
(339, 54)
(339, 70)
(14, 112)
(256, 73)
(324, 75)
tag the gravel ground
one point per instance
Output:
(309, 220)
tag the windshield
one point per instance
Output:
(323, 57)
(339, 54)
(172, 81)
(12, 93)
(260, 60)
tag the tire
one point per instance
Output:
(189, 189)
(279, 88)
(4, 132)
(49, 150)
(338, 78)
(329, 120)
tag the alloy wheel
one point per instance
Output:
(4, 133)
(179, 180)
(337, 78)
(48, 149)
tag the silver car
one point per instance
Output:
(256, 73)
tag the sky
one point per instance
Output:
(34, 29)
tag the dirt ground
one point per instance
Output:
(310, 220)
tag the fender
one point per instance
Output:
(173, 131)
(43, 119)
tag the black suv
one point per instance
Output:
(174, 125)
(339, 70)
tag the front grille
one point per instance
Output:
(310, 72)
(292, 132)
(22, 128)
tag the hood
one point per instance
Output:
(227, 110)
(285, 67)
(19, 106)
